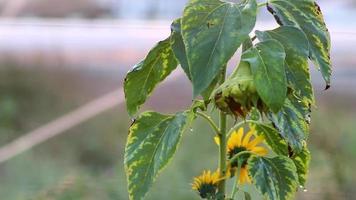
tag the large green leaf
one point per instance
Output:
(178, 46)
(145, 76)
(272, 137)
(306, 15)
(212, 32)
(275, 178)
(301, 161)
(180, 53)
(152, 141)
(296, 47)
(267, 65)
(292, 123)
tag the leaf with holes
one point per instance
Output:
(145, 76)
(275, 178)
(296, 47)
(306, 15)
(153, 140)
(212, 31)
(267, 66)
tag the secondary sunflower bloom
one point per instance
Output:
(239, 142)
(206, 184)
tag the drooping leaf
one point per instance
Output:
(206, 94)
(296, 47)
(152, 141)
(178, 46)
(146, 75)
(291, 123)
(273, 138)
(180, 53)
(275, 178)
(267, 65)
(301, 161)
(306, 15)
(212, 31)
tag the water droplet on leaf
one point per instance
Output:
(303, 188)
(308, 118)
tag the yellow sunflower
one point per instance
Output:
(239, 142)
(206, 184)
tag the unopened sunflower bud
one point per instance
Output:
(238, 94)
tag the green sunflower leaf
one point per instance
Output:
(275, 178)
(146, 75)
(152, 141)
(291, 121)
(306, 15)
(206, 94)
(178, 46)
(267, 65)
(296, 47)
(180, 53)
(272, 137)
(301, 161)
(212, 32)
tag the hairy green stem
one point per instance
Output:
(210, 121)
(235, 188)
(238, 125)
(233, 159)
(222, 150)
(262, 4)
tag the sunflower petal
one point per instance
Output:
(260, 151)
(217, 140)
(255, 142)
(248, 179)
(206, 178)
(247, 137)
(242, 175)
(240, 133)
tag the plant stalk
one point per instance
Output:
(262, 4)
(235, 188)
(238, 125)
(210, 121)
(222, 150)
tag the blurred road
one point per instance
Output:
(119, 44)
(27, 34)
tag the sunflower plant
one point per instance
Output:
(268, 96)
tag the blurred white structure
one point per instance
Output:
(153, 9)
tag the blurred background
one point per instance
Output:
(63, 123)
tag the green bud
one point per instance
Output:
(238, 95)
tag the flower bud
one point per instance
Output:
(238, 94)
